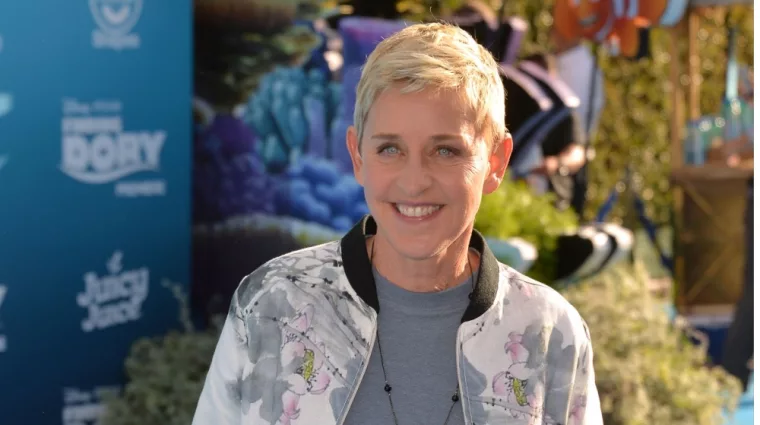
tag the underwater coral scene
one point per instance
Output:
(271, 116)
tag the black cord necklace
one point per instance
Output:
(387, 388)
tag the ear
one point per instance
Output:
(498, 162)
(352, 143)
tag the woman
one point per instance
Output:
(409, 319)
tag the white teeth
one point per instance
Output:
(419, 211)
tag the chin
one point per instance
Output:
(420, 238)
(416, 248)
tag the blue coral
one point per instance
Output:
(293, 111)
(301, 124)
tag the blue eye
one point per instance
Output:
(444, 151)
(388, 150)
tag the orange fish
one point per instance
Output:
(616, 23)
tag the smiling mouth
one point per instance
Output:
(417, 211)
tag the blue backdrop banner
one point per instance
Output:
(95, 159)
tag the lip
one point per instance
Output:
(408, 219)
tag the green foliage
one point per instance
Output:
(307, 239)
(165, 375)
(647, 372)
(515, 211)
(419, 10)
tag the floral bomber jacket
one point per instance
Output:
(300, 330)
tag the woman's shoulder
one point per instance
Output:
(302, 265)
(541, 301)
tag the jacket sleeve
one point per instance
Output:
(219, 403)
(585, 407)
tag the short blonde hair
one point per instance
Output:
(441, 56)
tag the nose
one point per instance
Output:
(415, 177)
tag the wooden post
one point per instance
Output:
(676, 117)
(676, 155)
(695, 77)
(692, 99)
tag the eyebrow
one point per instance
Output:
(385, 137)
(389, 137)
(447, 138)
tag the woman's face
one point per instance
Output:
(424, 169)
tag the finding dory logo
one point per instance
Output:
(6, 104)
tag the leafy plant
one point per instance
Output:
(647, 369)
(165, 374)
(514, 210)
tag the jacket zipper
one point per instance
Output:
(355, 389)
(459, 377)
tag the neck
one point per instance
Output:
(444, 270)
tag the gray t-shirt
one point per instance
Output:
(418, 336)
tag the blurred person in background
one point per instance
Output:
(738, 349)
(409, 319)
(574, 63)
(563, 151)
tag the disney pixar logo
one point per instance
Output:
(115, 20)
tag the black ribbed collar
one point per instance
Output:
(359, 269)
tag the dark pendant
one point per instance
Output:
(387, 388)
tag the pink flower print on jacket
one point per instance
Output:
(525, 288)
(577, 410)
(517, 352)
(310, 377)
(290, 409)
(512, 389)
(511, 384)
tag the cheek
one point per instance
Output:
(474, 173)
(466, 183)
(374, 178)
